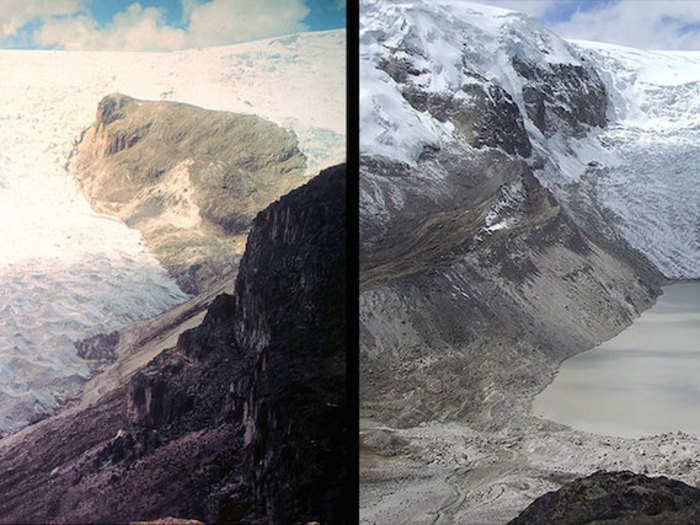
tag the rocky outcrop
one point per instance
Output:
(616, 498)
(562, 93)
(189, 179)
(290, 304)
(482, 112)
(243, 420)
(99, 347)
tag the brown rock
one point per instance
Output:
(189, 179)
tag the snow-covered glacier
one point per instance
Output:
(66, 272)
(651, 179)
(613, 130)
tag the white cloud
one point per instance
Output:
(652, 24)
(533, 8)
(225, 22)
(216, 22)
(647, 25)
(135, 29)
(14, 14)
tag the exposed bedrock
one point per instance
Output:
(291, 310)
(569, 93)
(191, 180)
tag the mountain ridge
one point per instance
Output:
(186, 178)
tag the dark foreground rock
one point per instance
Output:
(242, 421)
(616, 498)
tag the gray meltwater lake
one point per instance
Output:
(644, 381)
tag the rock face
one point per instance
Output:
(99, 347)
(568, 93)
(484, 113)
(617, 498)
(291, 309)
(242, 421)
(189, 179)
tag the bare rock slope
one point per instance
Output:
(189, 179)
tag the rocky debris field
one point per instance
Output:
(453, 473)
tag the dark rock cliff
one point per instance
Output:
(290, 307)
(189, 179)
(483, 112)
(568, 93)
(243, 421)
(616, 498)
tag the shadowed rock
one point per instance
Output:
(99, 347)
(616, 498)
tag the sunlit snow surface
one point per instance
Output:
(649, 152)
(66, 272)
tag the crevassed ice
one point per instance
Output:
(67, 272)
(655, 134)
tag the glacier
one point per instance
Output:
(638, 169)
(66, 272)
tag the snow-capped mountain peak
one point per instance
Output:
(613, 130)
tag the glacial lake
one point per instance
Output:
(644, 381)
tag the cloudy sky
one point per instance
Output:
(158, 25)
(646, 24)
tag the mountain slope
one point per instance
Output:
(469, 266)
(212, 425)
(190, 180)
(486, 258)
(612, 129)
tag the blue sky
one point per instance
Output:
(158, 25)
(645, 24)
